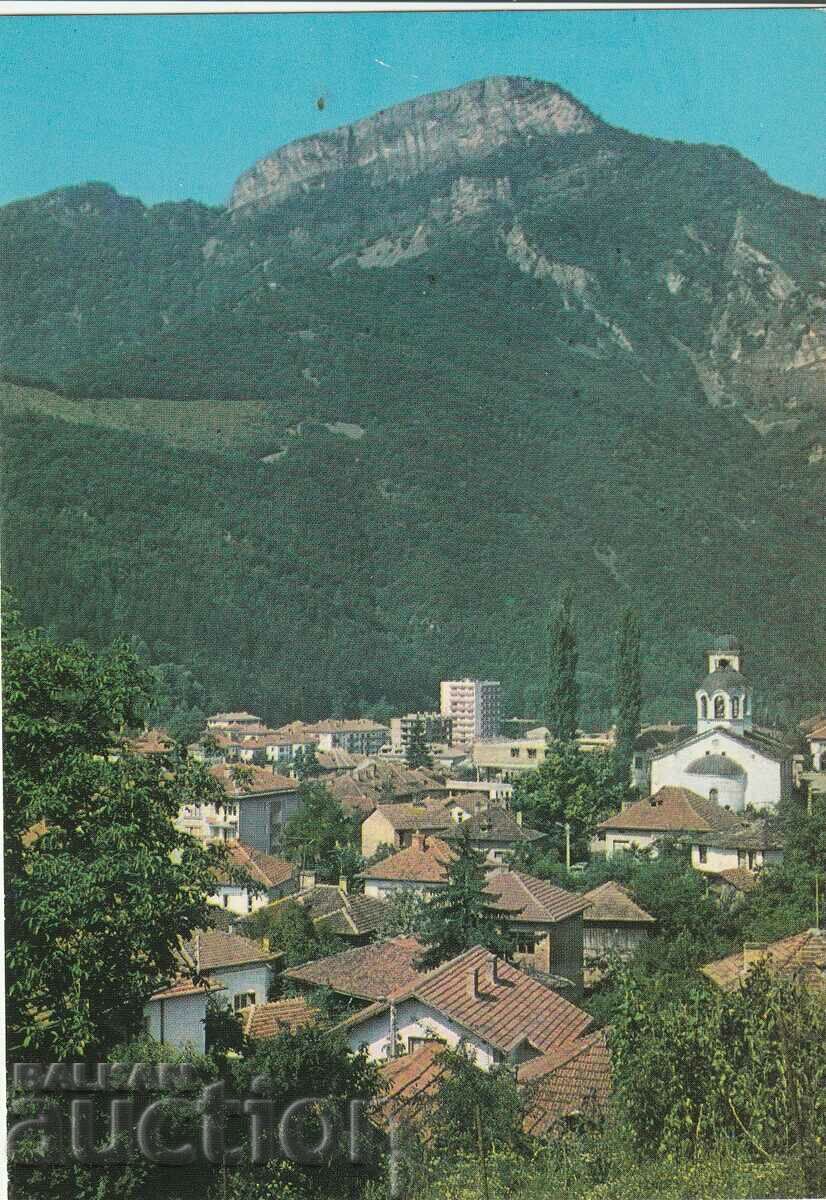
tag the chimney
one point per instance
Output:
(493, 969)
(473, 984)
(342, 884)
(265, 944)
(752, 953)
(417, 841)
(519, 817)
(306, 880)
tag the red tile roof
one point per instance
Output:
(268, 1020)
(334, 725)
(152, 741)
(494, 825)
(212, 949)
(522, 897)
(802, 956)
(185, 986)
(410, 815)
(366, 972)
(513, 1009)
(672, 810)
(412, 1082)
(572, 1080)
(417, 865)
(611, 903)
(254, 780)
(739, 878)
(265, 869)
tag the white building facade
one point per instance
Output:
(727, 760)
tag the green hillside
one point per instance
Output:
(377, 428)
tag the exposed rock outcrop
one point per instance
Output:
(433, 132)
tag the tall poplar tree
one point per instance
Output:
(562, 692)
(627, 692)
(418, 751)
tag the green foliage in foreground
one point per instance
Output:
(603, 1167)
(290, 928)
(100, 886)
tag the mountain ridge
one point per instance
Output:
(436, 130)
(597, 358)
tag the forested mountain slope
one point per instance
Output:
(351, 433)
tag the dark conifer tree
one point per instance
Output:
(627, 692)
(562, 692)
(418, 751)
(460, 914)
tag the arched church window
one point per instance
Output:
(719, 706)
(704, 707)
(735, 706)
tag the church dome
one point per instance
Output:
(718, 765)
(724, 678)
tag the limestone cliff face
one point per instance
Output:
(433, 132)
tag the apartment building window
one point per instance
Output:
(525, 943)
(703, 854)
(531, 754)
(514, 752)
(243, 1000)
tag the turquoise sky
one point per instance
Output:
(170, 107)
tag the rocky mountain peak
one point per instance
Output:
(433, 132)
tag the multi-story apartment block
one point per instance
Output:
(358, 736)
(474, 706)
(437, 728)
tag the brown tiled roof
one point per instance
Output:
(334, 725)
(409, 816)
(572, 1080)
(185, 986)
(234, 717)
(611, 903)
(364, 788)
(265, 869)
(337, 759)
(811, 723)
(522, 897)
(268, 1020)
(744, 835)
(412, 1082)
(516, 1008)
(672, 810)
(152, 741)
(803, 955)
(366, 972)
(255, 780)
(495, 825)
(212, 949)
(358, 915)
(739, 878)
(417, 865)
(347, 913)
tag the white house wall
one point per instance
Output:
(416, 1020)
(252, 978)
(178, 1021)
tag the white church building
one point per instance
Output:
(727, 759)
